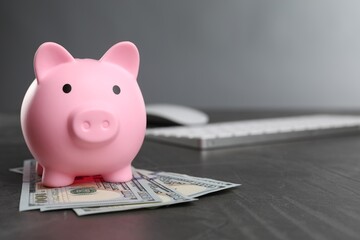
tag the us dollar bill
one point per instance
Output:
(188, 185)
(208, 180)
(84, 192)
(92, 195)
(167, 196)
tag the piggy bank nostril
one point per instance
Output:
(106, 124)
(86, 125)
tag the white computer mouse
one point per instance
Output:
(172, 114)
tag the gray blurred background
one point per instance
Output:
(262, 54)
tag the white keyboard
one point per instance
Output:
(226, 134)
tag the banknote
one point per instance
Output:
(84, 192)
(167, 195)
(188, 185)
(92, 195)
(208, 180)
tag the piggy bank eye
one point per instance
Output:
(116, 89)
(66, 88)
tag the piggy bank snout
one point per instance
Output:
(94, 126)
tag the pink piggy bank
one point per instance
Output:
(83, 117)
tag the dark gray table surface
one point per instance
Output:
(308, 189)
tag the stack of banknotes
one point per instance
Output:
(92, 195)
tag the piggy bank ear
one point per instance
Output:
(48, 56)
(125, 55)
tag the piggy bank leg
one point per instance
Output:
(122, 175)
(52, 178)
(39, 169)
